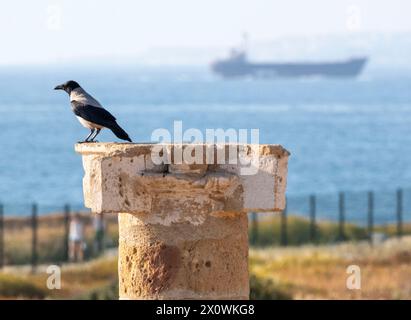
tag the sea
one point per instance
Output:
(350, 135)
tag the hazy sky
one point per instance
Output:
(44, 31)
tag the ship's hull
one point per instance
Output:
(233, 69)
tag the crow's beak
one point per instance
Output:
(59, 87)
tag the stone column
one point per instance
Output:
(183, 228)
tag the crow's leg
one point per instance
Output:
(95, 135)
(88, 137)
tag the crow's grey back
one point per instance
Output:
(80, 95)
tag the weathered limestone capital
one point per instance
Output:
(183, 228)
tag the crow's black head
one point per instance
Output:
(68, 86)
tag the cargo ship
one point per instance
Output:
(237, 65)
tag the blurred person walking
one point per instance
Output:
(76, 239)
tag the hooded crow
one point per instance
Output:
(90, 113)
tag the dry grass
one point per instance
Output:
(305, 272)
(77, 280)
(310, 272)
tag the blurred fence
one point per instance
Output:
(33, 234)
(326, 218)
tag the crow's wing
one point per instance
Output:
(96, 115)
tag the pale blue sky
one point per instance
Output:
(45, 31)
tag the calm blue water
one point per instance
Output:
(343, 135)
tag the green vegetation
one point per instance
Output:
(107, 292)
(266, 289)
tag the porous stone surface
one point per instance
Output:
(207, 261)
(123, 178)
(183, 230)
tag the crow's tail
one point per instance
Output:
(119, 132)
